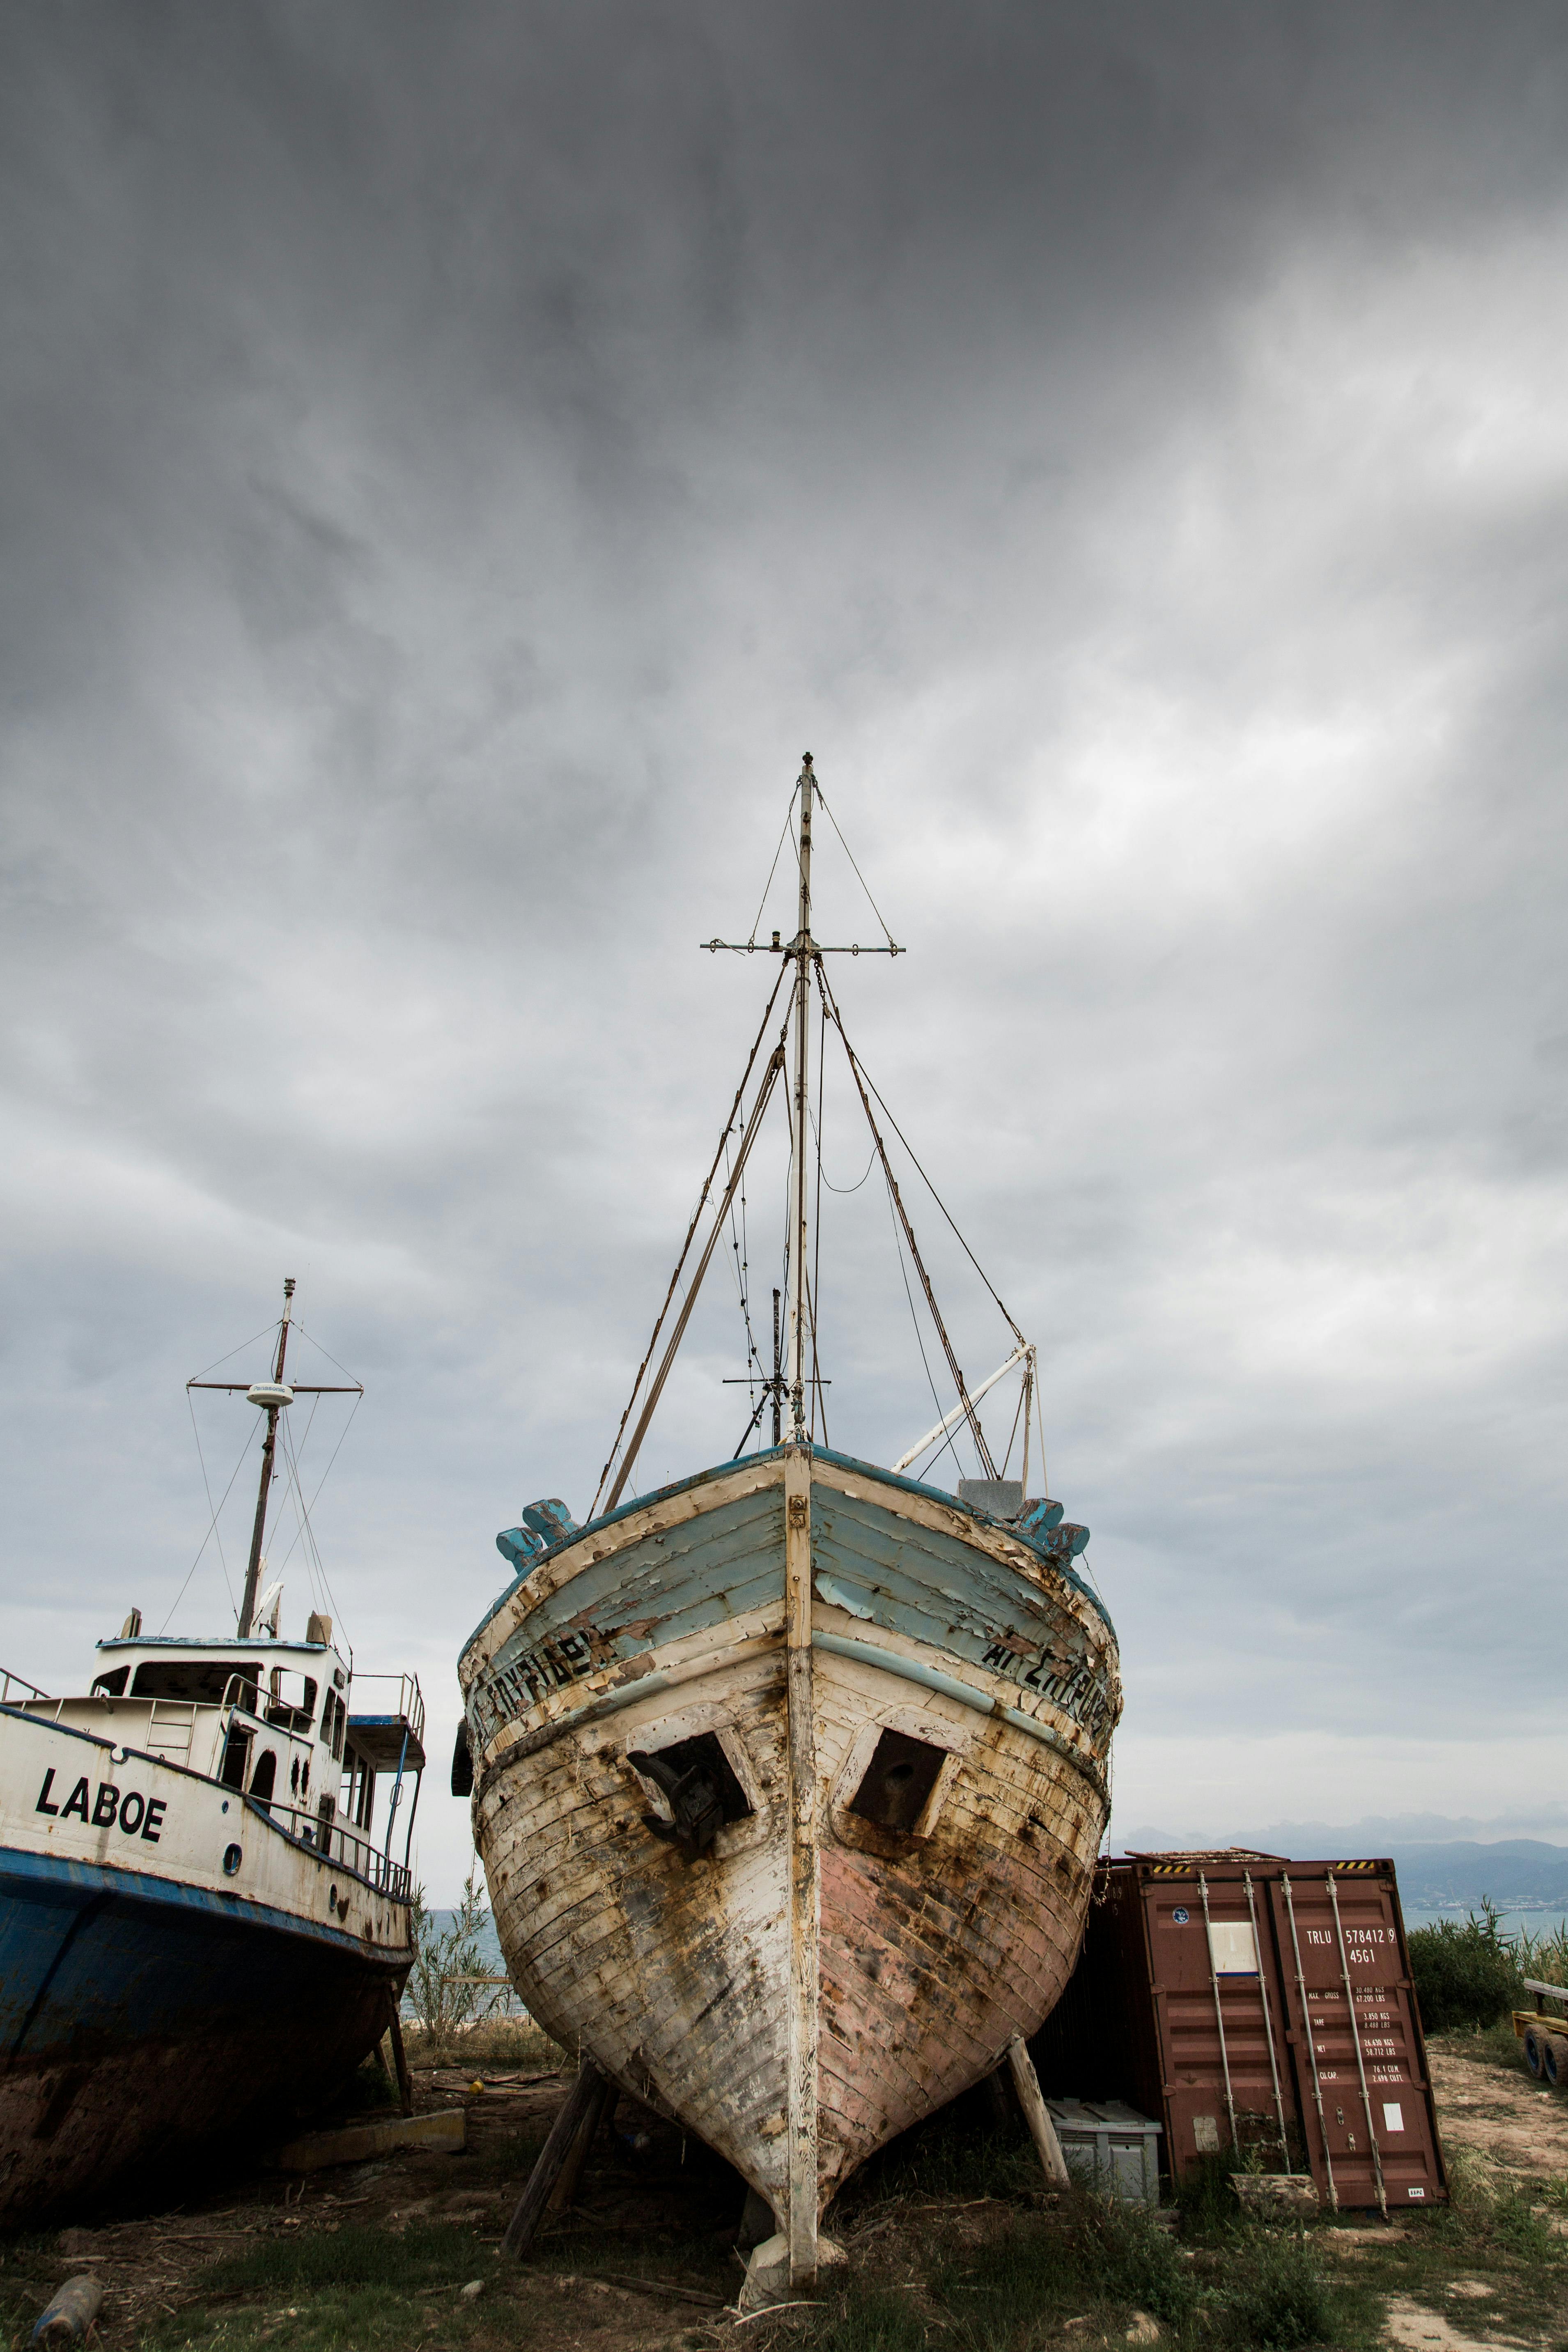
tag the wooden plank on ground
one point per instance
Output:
(444, 2131)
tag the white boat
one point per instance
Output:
(789, 1779)
(203, 1926)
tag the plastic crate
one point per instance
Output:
(1110, 2146)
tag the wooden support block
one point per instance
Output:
(584, 2095)
(447, 2129)
(1042, 2131)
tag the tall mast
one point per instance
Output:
(269, 1446)
(802, 948)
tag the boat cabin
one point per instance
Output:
(269, 1718)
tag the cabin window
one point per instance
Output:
(264, 1780)
(235, 1749)
(699, 1784)
(205, 1680)
(356, 1798)
(334, 1716)
(897, 1780)
(112, 1686)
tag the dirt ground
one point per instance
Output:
(401, 2254)
(1515, 2124)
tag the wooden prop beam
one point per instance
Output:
(1042, 2131)
(583, 2103)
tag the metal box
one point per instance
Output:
(1256, 2005)
(1110, 2146)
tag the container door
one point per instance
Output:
(1355, 2036)
(1217, 1999)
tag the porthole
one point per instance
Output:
(232, 1859)
(332, 1897)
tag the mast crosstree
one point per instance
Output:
(788, 1390)
(273, 1396)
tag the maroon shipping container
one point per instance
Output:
(1242, 1999)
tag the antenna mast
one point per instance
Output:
(271, 1396)
(803, 947)
(269, 1447)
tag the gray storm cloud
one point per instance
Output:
(455, 462)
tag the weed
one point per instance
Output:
(1279, 2299)
(1121, 2252)
(1465, 1975)
(428, 2253)
(487, 2046)
(950, 2158)
(441, 1990)
(872, 2319)
(1205, 2200)
(1545, 1957)
(370, 2088)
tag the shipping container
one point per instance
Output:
(1255, 2003)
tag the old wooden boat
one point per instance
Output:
(203, 1928)
(789, 1778)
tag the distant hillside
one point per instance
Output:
(1514, 1873)
(1434, 1873)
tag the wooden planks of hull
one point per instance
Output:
(942, 1932)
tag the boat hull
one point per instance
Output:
(148, 2001)
(940, 1936)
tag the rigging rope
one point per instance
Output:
(306, 1528)
(947, 1445)
(815, 1291)
(686, 1244)
(264, 1332)
(212, 1524)
(1013, 1432)
(860, 878)
(987, 1466)
(930, 1188)
(767, 885)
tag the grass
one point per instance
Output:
(356, 2289)
(362, 2319)
(498, 2045)
(425, 2254)
(1084, 2270)
(953, 2245)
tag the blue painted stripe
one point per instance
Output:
(929, 1584)
(332, 1863)
(932, 1678)
(839, 1645)
(1039, 1546)
(25, 1872)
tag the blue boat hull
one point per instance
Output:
(141, 2017)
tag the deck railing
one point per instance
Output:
(10, 1682)
(409, 1706)
(335, 1843)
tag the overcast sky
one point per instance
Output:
(455, 461)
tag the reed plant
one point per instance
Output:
(1466, 1974)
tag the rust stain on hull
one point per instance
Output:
(678, 1969)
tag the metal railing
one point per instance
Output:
(409, 1706)
(335, 1843)
(9, 1682)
